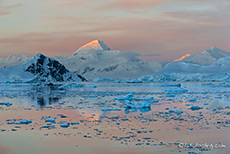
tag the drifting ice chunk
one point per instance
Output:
(52, 120)
(135, 105)
(176, 111)
(6, 104)
(127, 97)
(193, 108)
(48, 126)
(24, 122)
(74, 123)
(91, 86)
(66, 125)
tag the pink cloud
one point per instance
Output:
(60, 4)
(5, 13)
(209, 18)
(131, 5)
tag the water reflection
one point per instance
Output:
(47, 95)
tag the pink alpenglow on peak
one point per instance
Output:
(95, 45)
(183, 57)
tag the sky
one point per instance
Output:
(161, 30)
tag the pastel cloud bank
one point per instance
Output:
(169, 28)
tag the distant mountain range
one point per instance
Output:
(96, 60)
(188, 70)
(206, 57)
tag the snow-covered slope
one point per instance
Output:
(40, 69)
(95, 59)
(207, 57)
(13, 60)
(221, 65)
(187, 71)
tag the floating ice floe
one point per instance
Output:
(135, 105)
(48, 107)
(52, 120)
(74, 123)
(170, 95)
(24, 122)
(48, 126)
(127, 97)
(131, 98)
(176, 111)
(6, 104)
(78, 86)
(65, 125)
(193, 108)
(91, 86)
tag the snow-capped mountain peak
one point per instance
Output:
(45, 68)
(13, 60)
(95, 45)
(208, 56)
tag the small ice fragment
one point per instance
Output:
(146, 138)
(193, 108)
(49, 107)
(91, 86)
(52, 120)
(24, 122)
(7, 104)
(169, 95)
(74, 123)
(65, 125)
(48, 126)
(10, 123)
(138, 143)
